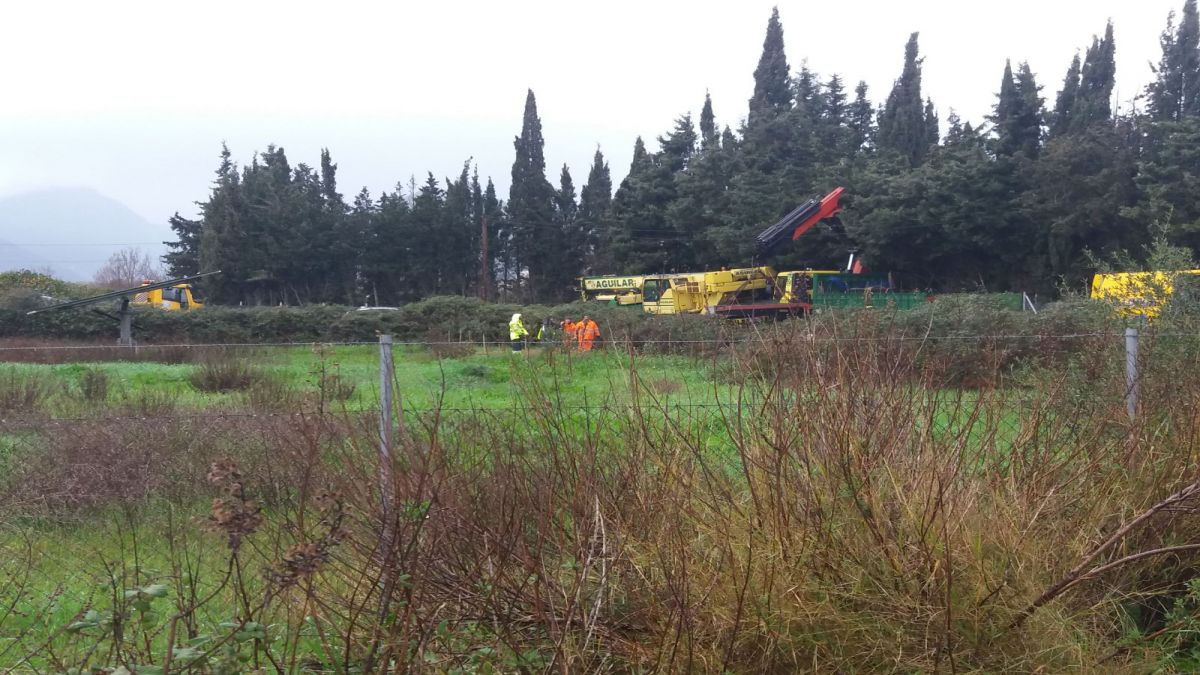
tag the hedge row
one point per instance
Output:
(450, 318)
(953, 325)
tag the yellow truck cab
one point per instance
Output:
(797, 286)
(1137, 293)
(173, 299)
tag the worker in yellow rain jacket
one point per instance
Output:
(517, 333)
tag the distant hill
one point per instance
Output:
(71, 231)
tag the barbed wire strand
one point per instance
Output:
(614, 343)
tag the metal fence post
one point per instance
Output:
(386, 378)
(1131, 371)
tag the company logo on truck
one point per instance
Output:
(612, 283)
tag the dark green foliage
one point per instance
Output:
(1168, 180)
(537, 240)
(184, 257)
(1016, 205)
(1017, 120)
(1064, 105)
(595, 204)
(861, 121)
(1084, 183)
(1097, 78)
(1175, 93)
(772, 90)
(708, 125)
(904, 123)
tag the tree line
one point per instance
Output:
(1027, 199)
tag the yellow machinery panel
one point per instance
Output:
(1137, 293)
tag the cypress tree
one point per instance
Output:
(1031, 117)
(1176, 89)
(1187, 44)
(1007, 104)
(931, 125)
(531, 205)
(595, 200)
(1096, 80)
(708, 124)
(567, 219)
(1017, 117)
(772, 90)
(222, 235)
(728, 140)
(903, 124)
(1064, 106)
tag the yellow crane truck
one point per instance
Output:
(616, 290)
(177, 298)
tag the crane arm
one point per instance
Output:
(800, 220)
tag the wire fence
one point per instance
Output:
(747, 339)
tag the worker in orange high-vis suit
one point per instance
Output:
(588, 333)
(569, 329)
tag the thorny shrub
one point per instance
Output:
(23, 391)
(219, 375)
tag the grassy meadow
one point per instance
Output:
(796, 502)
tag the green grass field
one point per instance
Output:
(496, 379)
(791, 508)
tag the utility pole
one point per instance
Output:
(485, 276)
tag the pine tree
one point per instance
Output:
(772, 87)
(861, 121)
(531, 208)
(903, 125)
(428, 247)
(360, 222)
(1064, 106)
(835, 132)
(388, 264)
(184, 257)
(808, 119)
(708, 124)
(679, 146)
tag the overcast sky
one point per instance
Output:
(134, 98)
